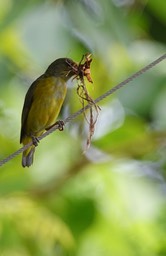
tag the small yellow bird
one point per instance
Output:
(42, 104)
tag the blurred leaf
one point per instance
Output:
(34, 230)
(158, 8)
(131, 139)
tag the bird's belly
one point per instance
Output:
(44, 112)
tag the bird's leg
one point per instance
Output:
(60, 124)
(35, 140)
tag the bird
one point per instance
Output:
(42, 104)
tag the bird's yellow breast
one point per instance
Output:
(48, 97)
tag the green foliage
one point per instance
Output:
(109, 200)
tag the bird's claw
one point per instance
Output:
(60, 124)
(35, 141)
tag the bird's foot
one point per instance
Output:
(35, 140)
(60, 124)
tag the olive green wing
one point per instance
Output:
(27, 106)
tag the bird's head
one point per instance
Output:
(63, 67)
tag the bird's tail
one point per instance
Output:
(27, 157)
